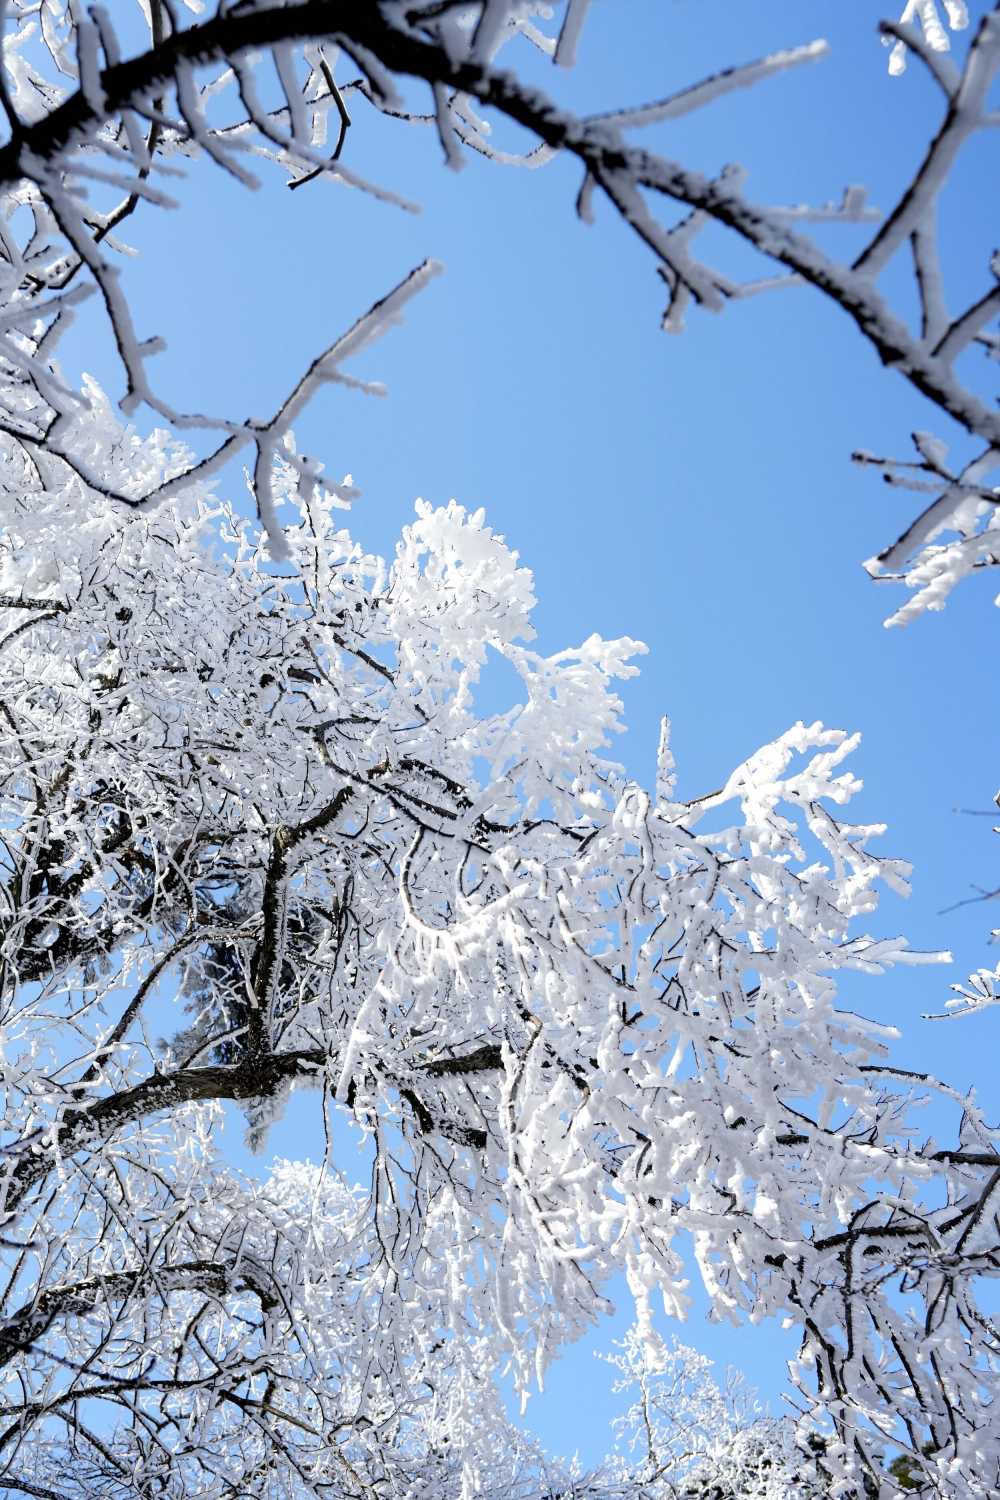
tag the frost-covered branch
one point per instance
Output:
(580, 1036)
(66, 145)
(582, 1030)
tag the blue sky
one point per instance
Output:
(694, 492)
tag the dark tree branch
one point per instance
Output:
(23, 1329)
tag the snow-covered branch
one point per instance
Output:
(119, 112)
(579, 1035)
(584, 1030)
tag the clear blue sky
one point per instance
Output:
(694, 492)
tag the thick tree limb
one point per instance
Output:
(22, 1329)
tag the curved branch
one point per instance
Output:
(257, 1077)
(32, 1321)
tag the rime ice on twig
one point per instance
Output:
(928, 37)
